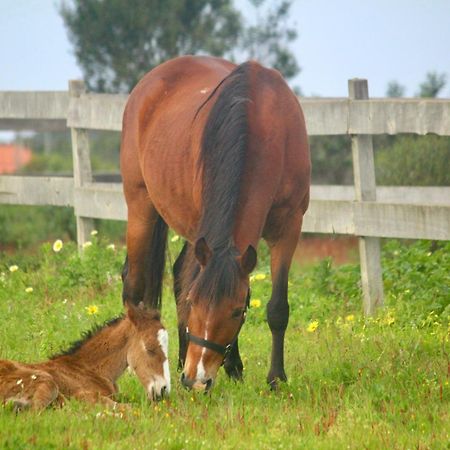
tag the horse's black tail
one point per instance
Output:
(155, 264)
(223, 154)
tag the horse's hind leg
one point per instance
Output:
(281, 253)
(138, 282)
(181, 306)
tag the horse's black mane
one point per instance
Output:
(222, 160)
(86, 336)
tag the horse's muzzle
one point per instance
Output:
(196, 385)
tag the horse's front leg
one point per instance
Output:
(281, 253)
(181, 305)
(233, 363)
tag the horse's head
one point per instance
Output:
(148, 351)
(217, 301)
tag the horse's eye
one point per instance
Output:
(237, 313)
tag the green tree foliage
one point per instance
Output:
(117, 42)
(52, 152)
(331, 159)
(433, 84)
(267, 40)
(414, 161)
(395, 89)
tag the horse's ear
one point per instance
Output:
(202, 252)
(248, 260)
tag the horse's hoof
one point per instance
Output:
(274, 381)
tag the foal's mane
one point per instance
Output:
(222, 160)
(87, 336)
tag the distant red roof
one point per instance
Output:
(13, 157)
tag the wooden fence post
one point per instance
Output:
(365, 190)
(82, 172)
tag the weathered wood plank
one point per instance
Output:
(97, 111)
(106, 201)
(395, 116)
(33, 124)
(427, 195)
(365, 190)
(327, 114)
(82, 172)
(101, 201)
(56, 191)
(33, 105)
(324, 116)
(378, 219)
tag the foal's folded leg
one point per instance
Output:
(45, 392)
(27, 388)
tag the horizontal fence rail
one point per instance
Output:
(324, 116)
(362, 210)
(332, 209)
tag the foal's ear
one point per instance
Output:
(248, 260)
(202, 252)
(134, 313)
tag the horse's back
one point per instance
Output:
(164, 121)
(161, 139)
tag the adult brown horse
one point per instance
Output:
(219, 153)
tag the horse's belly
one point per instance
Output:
(171, 185)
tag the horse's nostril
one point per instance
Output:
(186, 382)
(208, 384)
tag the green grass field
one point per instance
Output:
(353, 382)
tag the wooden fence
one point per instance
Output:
(363, 210)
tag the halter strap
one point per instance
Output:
(222, 349)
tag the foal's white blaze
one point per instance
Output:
(163, 339)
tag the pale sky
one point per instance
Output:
(380, 40)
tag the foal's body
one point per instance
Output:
(89, 370)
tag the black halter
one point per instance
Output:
(218, 348)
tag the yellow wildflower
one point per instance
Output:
(91, 310)
(255, 303)
(312, 327)
(87, 244)
(57, 245)
(350, 318)
(29, 290)
(389, 320)
(13, 268)
(111, 247)
(175, 238)
(94, 233)
(260, 276)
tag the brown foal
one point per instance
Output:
(89, 370)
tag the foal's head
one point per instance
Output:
(216, 296)
(148, 351)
